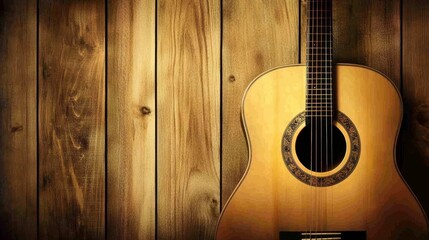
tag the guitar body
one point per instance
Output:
(371, 198)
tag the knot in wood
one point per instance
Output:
(17, 128)
(145, 110)
(231, 78)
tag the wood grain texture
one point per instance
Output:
(71, 119)
(131, 120)
(416, 96)
(366, 32)
(18, 156)
(188, 118)
(256, 37)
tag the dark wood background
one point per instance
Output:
(120, 119)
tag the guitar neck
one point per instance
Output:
(320, 95)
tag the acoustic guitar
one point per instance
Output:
(322, 140)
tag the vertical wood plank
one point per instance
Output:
(256, 37)
(416, 97)
(18, 156)
(369, 33)
(366, 32)
(71, 119)
(131, 120)
(188, 118)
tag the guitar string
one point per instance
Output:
(310, 99)
(325, 96)
(320, 137)
(316, 69)
(316, 63)
(331, 64)
(310, 63)
(326, 120)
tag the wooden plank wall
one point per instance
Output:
(415, 91)
(18, 137)
(71, 119)
(255, 39)
(138, 105)
(188, 90)
(131, 120)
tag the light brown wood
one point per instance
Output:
(71, 119)
(256, 37)
(416, 96)
(131, 120)
(373, 198)
(18, 156)
(188, 91)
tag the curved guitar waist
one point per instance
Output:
(330, 175)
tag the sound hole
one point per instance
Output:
(316, 151)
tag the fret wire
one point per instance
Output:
(314, 103)
(319, 84)
(315, 48)
(315, 110)
(321, 108)
(322, 60)
(319, 52)
(322, 111)
(320, 77)
(319, 112)
(328, 81)
(319, 100)
(324, 103)
(326, 108)
(319, 66)
(321, 72)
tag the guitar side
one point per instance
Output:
(373, 198)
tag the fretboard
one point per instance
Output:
(320, 95)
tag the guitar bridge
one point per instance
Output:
(337, 235)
